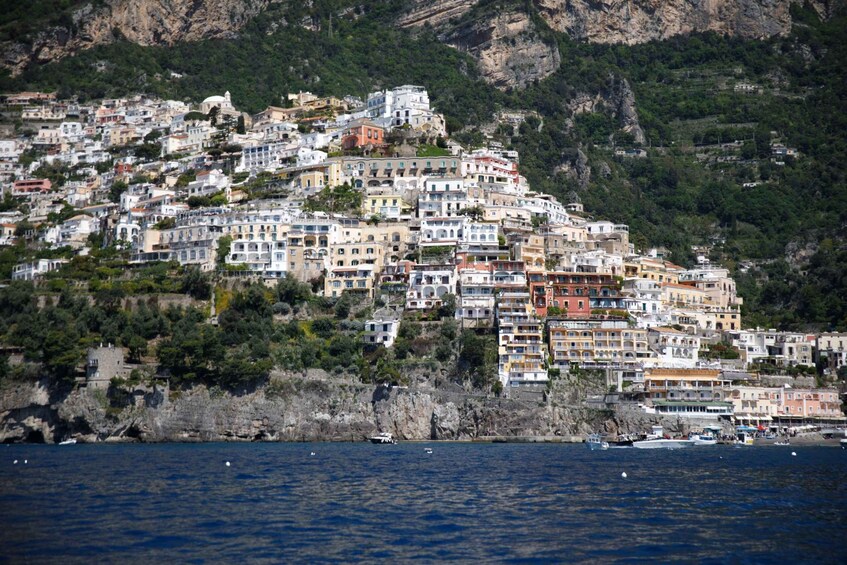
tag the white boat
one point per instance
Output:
(703, 439)
(656, 440)
(595, 442)
(662, 443)
(843, 443)
(71, 441)
(383, 437)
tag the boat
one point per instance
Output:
(71, 441)
(843, 443)
(657, 440)
(383, 437)
(703, 439)
(595, 442)
(662, 443)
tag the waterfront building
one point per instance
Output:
(521, 346)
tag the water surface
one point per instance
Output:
(471, 502)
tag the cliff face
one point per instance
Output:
(145, 22)
(507, 48)
(510, 52)
(506, 43)
(292, 408)
(639, 21)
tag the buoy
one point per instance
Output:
(623, 474)
(227, 463)
(794, 454)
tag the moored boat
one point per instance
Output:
(595, 442)
(383, 437)
(657, 440)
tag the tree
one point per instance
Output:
(196, 284)
(448, 306)
(291, 291)
(224, 247)
(118, 187)
(136, 347)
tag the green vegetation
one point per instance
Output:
(432, 151)
(340, 199)
(687, 190)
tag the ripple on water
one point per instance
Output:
(469, 502)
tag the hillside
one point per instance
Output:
(708, 109)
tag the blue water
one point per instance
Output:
(277, 503)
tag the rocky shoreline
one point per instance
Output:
(303, 407)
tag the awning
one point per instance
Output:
(746, 429)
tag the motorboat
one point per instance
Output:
(595, 442)
(71, 441)
(383, 437)
(703, 439)
(662, 443)
(657, 440)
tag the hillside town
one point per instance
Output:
(371, 197)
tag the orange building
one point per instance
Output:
(361, 133)
(31, 186)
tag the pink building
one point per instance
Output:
(810, 403)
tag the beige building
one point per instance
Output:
(359, 253)
(597, 343)
(350, 279)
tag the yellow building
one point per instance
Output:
(350, 279)
(387, 204)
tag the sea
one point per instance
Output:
(464, 502)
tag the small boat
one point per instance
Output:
(383, 437)
(595, 442)
(703, 439)
(662, 443)
(427, 450)
(657, 440)
(843, 443)
(71, 441)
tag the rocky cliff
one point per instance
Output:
(145, 22)
(507, 47)
(501, 36)
(296, 408)
(639, 21)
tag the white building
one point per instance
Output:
(404, 105)
(442, 231)
(267, 157)
(266, 258)
(382, 328)
(428, 284)
(673, 348)
(442, 198)
(31, 270)
(475, 303)
(832, 347)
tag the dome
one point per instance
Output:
(214, 100)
